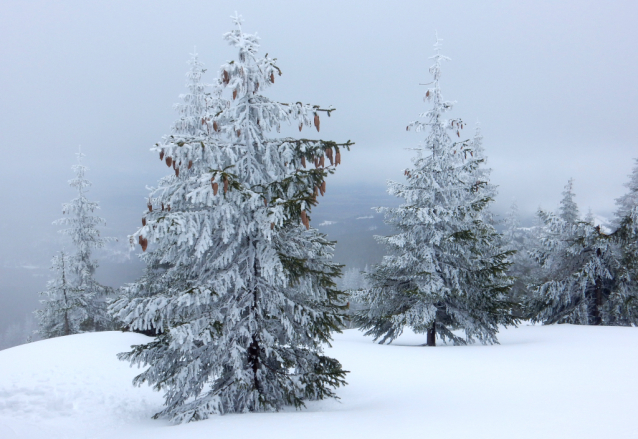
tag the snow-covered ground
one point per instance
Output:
(542, 382)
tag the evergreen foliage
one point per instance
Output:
(74, 301)
(446, 267)
(239, 290)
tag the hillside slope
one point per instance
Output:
(541, 382)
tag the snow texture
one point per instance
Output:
(558, 381)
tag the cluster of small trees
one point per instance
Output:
(571, 270)
(239, 291)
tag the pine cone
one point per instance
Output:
(234, 94)
(272, 77)
(329, 155)
(322, 161)
(303, 161)
(143, 221)
(317, 121)
(226, 77)
(144, 244)
(190, 164)
(215, 126)
(300, 126)
(225, 185)
(169, 161)
(162, 155)
(215, 186)
(323, 187)
(176, 172)
(304, 219)
(150, 206)
(338, 157)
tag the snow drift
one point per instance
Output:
(542, 381)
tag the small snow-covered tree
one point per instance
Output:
(568, 209)
(445, 268)
(239, 290)
(74, 301)
(64, 307)
(628, 201)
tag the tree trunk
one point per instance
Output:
(432, 335)
(595, 303)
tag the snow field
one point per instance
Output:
(557, 381)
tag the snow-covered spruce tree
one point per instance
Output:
(74, 301)
(629, 201)
(589, 276)
(445, 269)
(238, 288)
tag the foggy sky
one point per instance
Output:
(553, 84)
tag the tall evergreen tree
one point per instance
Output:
(445, 269)
(238, 288)
(74, 301)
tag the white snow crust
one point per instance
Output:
(558, 381)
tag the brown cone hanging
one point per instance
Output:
(338, 157)
(144, 244)
(323, 187)
(329, 155)
(169, 161)
(215, 187)
(168, 207)
(162, 155)
(300, 127)
(225, 185)
(234, 94)
(317, 121)
(150, 206)
(304, 219)
(190, 164)
(226, 77)
(322, 161)
(272, 77)
(215, 126)
(303, 161)
(176, 172)
(143, 221)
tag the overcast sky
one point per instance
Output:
(553, 84)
